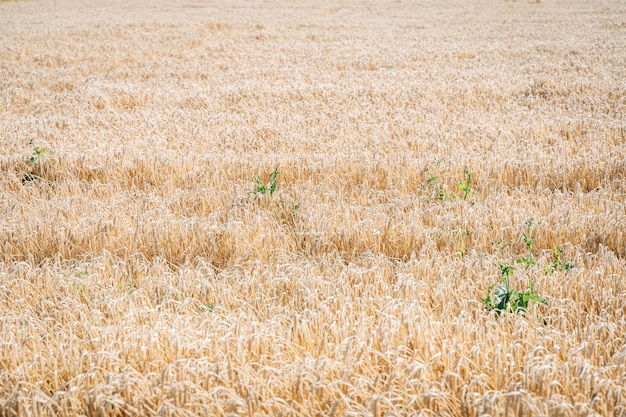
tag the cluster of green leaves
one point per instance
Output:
(432, 180)
(558, 264)
(33, 162)
(285, 213)
(528, 260)
(261, 188)
(38, 153)
(505, 298)
(212, 308)
(464, 186)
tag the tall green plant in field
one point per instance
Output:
(432, 181)
(465, 186)
(261, 189)
(528, 260)
(505, 298)
(34, 163)
(558, 264)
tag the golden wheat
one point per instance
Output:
(140, 275)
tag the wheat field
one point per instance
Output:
(420, 150)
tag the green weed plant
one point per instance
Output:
(262, 189)
(505, 298)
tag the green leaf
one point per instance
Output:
(529, 242)
(529, 260)
(537, 299)
(273, 181)
(506, 298)
(502, 297)
(442, 193)
(506, 271)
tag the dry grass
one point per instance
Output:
(140, 276)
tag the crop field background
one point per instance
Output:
(313, 208)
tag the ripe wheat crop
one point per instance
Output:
(313, 208)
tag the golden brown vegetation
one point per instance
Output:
(139, 274)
